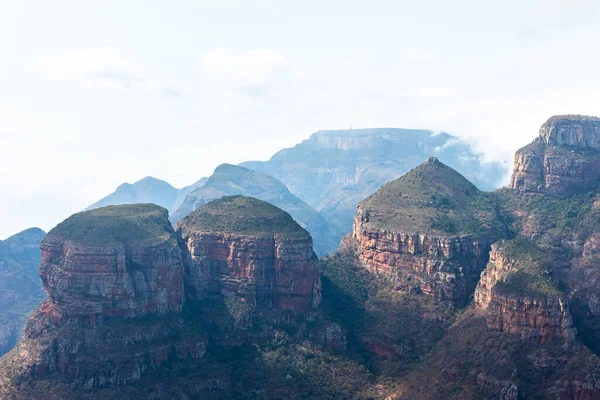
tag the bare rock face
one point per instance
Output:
(117, 281)
(114, 279)
(441, 267)
(564, 158)
(519, 299)
(266, 264)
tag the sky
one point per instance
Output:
(97, 93)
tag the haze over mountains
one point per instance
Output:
(20, 286)
(334, 170)
(327, 175)
(438, 291)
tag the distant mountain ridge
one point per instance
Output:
(228, 180)
(20, 286)
(335, 169)
(148, 190)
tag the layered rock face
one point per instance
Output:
(442, 267)
(428, 231)
(114, 278)
(538, 315)
(564, 158)
(260, 268)
(116, 281)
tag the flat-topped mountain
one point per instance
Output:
(254, 252)
(563, 159)
(20, 286)
(228, 180)
(117, 312)
(148, 190)
(334, 170)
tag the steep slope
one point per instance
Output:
(147, 190)
(334, 170)
(565, 157)
(116, 324)
(230, 180)
(430, 231)
(20, 288)
(252, 253)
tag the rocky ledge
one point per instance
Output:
(517, 296)
(564, 158)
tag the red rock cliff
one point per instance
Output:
(564, 158)
(263, 270)
(439, 266)
(538, 318)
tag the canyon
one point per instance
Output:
(439, 290)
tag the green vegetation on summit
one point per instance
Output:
(244, 216)
(143, 224)
(431, 198)
(531, 276)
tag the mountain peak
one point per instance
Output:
(431, 198)
(572, 131)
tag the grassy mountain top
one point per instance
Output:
(531, 277)
(432, 198)
(145, 224)
(242, 215)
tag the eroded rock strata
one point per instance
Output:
(564, 158)
(533, 310)
(257, 265)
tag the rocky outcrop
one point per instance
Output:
(441, 267)
(564, 158)
(540, 317)
(257, 270)
(116, 281)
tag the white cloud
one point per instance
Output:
(252, 72)
(104, 67)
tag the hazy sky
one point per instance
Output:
(96, 93)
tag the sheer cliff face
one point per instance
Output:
(116, 281)
(429, 231)
(536, 313)
(126, 277)
(563, 159)
(441, 267)
(262, 270)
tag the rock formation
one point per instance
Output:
(252, 253)
(564, 158)
(517, 296)
(428, 231)
(114, 279)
